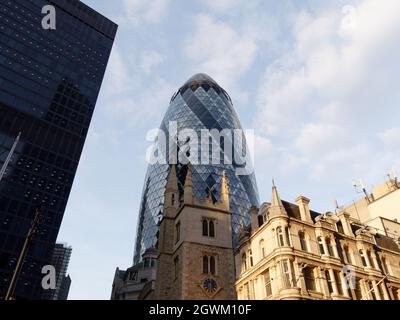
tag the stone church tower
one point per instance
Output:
(195, 258)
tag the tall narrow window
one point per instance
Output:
(329, 280)
(369, 256)
(363, 260)
(288, 276)
(309, 278)
(385, 266)
(262, 248)
(338, 282)
(212, 266)
(287, 235)
(339, 227)
(346, 255)
(357, 290)
(279, 233)
(329, 246)
(381, 291)
(208, 227)
(267, 282)
(321, 245)
(244, 262)
(205, 264)
(246, 292)
(176, 266)
(205, 227)
(178, 231)
(211, 228)
(250, 253)
(173, 199)
(303, 242)
(371, 290)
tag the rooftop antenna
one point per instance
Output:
(8, 159)
(393, 178)
(336, 204)
(361, 185)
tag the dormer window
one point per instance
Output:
(208, 226)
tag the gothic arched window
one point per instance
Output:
(205, 227)
(205, 264)
(363, 258)
(212, 266)
(262, 248)
(303, 242)
(211, 229)
(279, 233)
(321, 245)
(244, 262)
(329, 246)
(250, 258)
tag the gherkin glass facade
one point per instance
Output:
(199, 104)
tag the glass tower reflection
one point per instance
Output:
(199, 104)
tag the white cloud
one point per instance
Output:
(391, 139)
(142, 11)
(219, 50)
(149, 60)
(328, 64)
(118, 77)
(147, 108)
(226, 6)
(334, 92)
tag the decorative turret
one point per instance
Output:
(188, 188)
(171, 196)
(254, 218)
(224, 199)
(277, 208)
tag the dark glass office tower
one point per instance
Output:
(199, 104)
(49, 83)
(60, 261)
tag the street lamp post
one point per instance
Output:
(28, 241)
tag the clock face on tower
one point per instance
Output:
(210, 286)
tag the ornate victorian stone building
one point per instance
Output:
(291, 252)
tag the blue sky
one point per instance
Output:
(316, 80)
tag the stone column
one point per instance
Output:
(364, 290)
(391, 293)
(300, 282)
(385, 290)
(275, 279)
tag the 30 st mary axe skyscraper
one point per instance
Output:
(49, 83)
(199, 104)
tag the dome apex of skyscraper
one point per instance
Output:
(200, 77)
